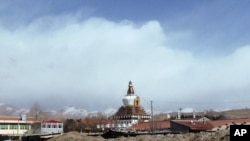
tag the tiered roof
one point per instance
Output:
(130, 110)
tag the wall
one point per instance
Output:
(13, 128)
(176, 127)
(51, 128)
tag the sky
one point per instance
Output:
(83, 53)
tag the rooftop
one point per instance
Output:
(148, 125)
(196, 125)
(52, 121)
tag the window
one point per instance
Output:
(4, 126)
(13, 126)
(48, 126)
(24, 127)
(43, 125)
(60, 126)
(35, 126)
(54, 126)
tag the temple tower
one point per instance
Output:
(131, 112)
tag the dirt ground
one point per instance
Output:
(215, 136)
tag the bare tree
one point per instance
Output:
(36, 111)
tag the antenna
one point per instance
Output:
(152, 114)
(179, 113)
(194, 115)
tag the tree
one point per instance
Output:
(70, 125)
(36, 111)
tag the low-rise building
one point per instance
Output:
(47, 127)
(44, 130)
(185, 126)
(51, 126)
(15, 125)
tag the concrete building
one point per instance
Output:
(47, 127)
(44, 130)
(15, 125)
(51, 127)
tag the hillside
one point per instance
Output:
(211, 114)
(237, 113)
(75, 112)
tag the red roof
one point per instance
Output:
(148, 125)
(196, 125)
(52, 121)
(217, 123)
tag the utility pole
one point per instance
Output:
(152, 114)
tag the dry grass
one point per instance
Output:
(75, 136)
(215, 136)
(238, 113)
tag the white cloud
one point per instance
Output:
(63, 60)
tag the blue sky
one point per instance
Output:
(187, 52)
(201, 19)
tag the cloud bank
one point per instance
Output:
(64, 60)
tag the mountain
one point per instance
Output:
(73, 112)
(9, 110)
(65, 112)
(110, 111)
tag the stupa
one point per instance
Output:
(131, 112)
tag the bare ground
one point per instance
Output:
(205, 136)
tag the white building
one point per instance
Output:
(51, 127)
(15, 125)
(47, 127)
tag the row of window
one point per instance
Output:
(13, 126)
(51, 125)
(126, 122)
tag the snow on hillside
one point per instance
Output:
(66, 112)
(110, 111)
(6, 109)
(73, 112)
